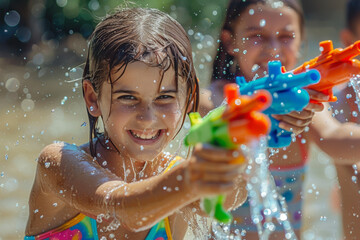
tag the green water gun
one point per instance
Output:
(238, 122)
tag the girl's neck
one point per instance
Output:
(128, 169)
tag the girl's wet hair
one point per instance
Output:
(352, 14)
(222, 66)
(138, 34)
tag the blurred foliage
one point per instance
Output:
(43, 20)
(42, 33)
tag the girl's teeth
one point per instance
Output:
(146, 136)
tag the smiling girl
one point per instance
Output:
(140, 81)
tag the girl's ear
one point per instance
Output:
(91, 99)
(228, 41)
(347, 37)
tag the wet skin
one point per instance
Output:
(251, 44)
(137, 114)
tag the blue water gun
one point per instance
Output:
(287, 95)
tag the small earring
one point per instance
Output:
(91, 108)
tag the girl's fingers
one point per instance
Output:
(217, 177)
(213, 189)
(304, 114)
(318, 96)
(216, 154)
(314, 107)
(216, 167)
(296, 122)
(291, 128)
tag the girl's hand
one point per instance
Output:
(296, 122)
(213, 170)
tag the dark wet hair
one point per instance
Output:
(222, 66)
(352, 14)
(139, 34)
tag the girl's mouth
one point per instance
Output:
(146, 136)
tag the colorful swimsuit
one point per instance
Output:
(289, 182)
(83, 227)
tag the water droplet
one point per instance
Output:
(64, 100)
(61, 3)
(141, 147)
(179, 178)
(354, 179)
(12, 18)
(83, 124)
(262, 23)
(47, 164)
(251, 11)
(348, 95)
(354, 113)
(27, 105)
(303, 141)
(255, 67)
(12, 84)
(283, 217)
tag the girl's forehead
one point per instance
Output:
(139, 75)
(260, 16)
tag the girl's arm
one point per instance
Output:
(73, 176)
(339, 140)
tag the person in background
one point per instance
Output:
(254, 33)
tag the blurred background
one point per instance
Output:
(42, 50)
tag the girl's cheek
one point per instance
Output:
(172, 112)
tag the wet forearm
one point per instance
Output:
(140, 205)
(341, 142)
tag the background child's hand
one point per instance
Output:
(212, 170)
(295, 121)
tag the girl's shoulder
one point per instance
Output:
(58, 148)
(54, 152)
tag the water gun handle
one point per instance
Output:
(229, 126)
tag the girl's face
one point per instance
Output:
(262, 33)
(141, 116)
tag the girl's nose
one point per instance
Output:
(146, 115)
(273, 46)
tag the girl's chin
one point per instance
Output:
(144, 155)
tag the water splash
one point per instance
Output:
(355, 83)
(265, 203)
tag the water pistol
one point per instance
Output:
(238, 122)
(287, 93)
(336, 66)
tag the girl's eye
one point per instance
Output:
(164, 97)
(127, 97)
(286, 37)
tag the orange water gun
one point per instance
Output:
(336, 66)
(228, 126)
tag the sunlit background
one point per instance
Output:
(42, 51)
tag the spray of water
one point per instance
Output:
(265, 203)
